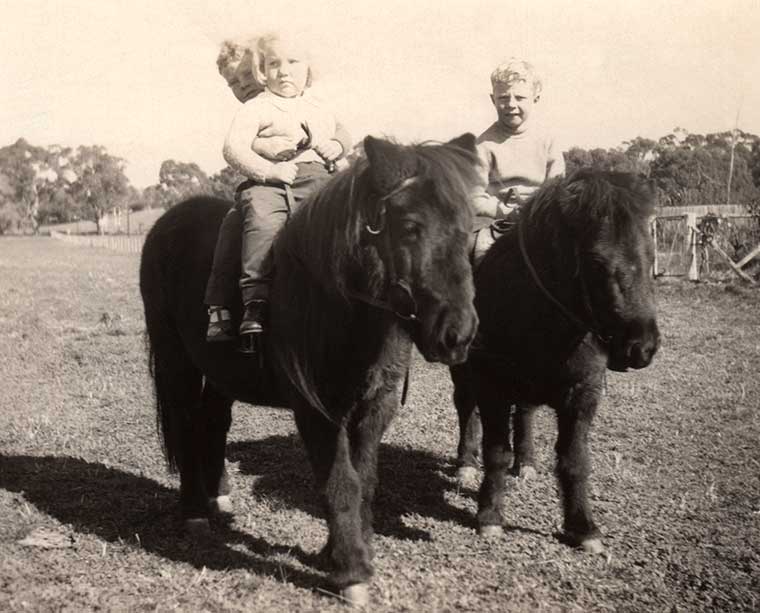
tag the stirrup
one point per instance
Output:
(252, 343)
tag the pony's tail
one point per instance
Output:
(175, 379)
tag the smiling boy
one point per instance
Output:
(517, 153)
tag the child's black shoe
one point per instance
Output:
(219, 325)
(252, 327)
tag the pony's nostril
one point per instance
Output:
(640, 355)
(452, 339)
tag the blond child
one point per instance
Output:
(281, 140)
(517, 153)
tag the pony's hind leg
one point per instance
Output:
(525, 455)
(340, 484)
(470, 429)
(218, 417)
(186, 427)
(497, 458)
(573, 468)
(178, 387)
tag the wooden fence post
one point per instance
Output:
(691, 230)
(653, 230)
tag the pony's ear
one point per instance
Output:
(389, 163)
(466, 142)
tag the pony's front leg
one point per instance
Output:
(573, 467)
(329, 451)
(470, 429)
(497, 457)
(365, 436)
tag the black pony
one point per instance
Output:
(374, 261)
(564, 294)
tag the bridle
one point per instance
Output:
(582, 326)
(378, 229)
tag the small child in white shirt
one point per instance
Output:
(282, 140)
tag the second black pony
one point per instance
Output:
(374, 261)
(564, 294)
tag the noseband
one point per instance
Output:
(569, 315)
(377, 228)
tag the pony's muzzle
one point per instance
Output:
(641, 352)
(638, 349)
(455, 332)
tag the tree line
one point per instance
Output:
(54, 184)
(687, 169)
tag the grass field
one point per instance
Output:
(88, 513)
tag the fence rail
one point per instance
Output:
(721, 210)
(117, 242)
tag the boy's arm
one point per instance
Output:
(555, 165)
(484, 204)
(238, 150)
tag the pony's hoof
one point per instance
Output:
(527, 473)
(467, 475)
(198, 527)
(593, 546)
(490, 532)
(357, 595)
(221, 505)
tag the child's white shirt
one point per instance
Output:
(275, 115)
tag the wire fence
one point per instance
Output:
(703, 246)
(115, 242)
(685, 245)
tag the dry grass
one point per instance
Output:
(676, 483)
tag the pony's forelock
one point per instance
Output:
(453, 172)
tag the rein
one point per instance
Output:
(576, 321)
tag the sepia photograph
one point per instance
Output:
(380, 305)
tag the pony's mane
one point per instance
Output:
(324, 238)
(590, 197)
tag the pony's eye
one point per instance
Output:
(410, 228)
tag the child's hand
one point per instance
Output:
(330, 150)
(504, 210)
(283, 172)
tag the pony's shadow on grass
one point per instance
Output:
(411, 482)
(116, 506)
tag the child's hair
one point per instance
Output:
(231, 51)
(514, 71)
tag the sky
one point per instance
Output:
(139, 77)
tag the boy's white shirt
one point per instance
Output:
(278, 116)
